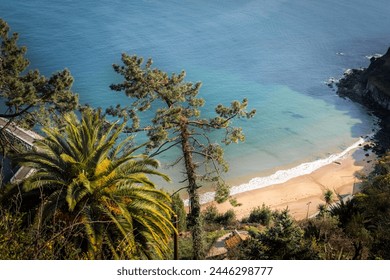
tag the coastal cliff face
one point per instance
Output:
(370, 86)
(377, 80)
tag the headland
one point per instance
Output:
(302, 194)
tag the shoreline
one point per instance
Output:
(256, 182)
(302, 194)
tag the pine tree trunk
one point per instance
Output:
(195, 221)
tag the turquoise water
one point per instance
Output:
(278, 54)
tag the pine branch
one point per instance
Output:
(160, 150)
(8, 116)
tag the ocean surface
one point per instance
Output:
(279, 54)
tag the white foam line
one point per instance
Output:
(282, 176)
(376, 55)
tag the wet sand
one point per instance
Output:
(303, 194)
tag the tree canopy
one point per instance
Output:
(27, 96)
(100, 191)
(177, 121)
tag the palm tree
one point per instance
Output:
(328, 197)
(87, 180)
(321, 209)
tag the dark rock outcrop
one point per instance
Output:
(371, 87)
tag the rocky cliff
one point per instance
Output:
(371, 87)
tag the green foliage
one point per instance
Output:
(185, 243)
(283, 240)
(365, 219)
(21, 242)
(322, 209)
(251, 249)
(177, 121)
(373, 218)
(185, 248)
(222, 192)
(15, 242)
(344, 210)
(212, 216)
(150, 84)
(178, 116)
(179, 210)
(355, 228)
(28, 96)
(86, 180)
(331, 242)
(328, 197)
(261, 215)
(198, 246)
(233, 202)
(227, 219)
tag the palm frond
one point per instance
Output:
(82, 174)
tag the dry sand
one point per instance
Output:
(303, 194)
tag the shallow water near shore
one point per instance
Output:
(284, 175)
(278, 54)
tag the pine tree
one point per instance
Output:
(28, 97)
(177, 121)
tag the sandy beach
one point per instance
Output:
(303, 194)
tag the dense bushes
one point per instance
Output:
(19, 241)
(212, 216)
(261, 215)
(281, 239)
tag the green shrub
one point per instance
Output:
(227, 219)
(234, 202)
(210, 214)
(178, 208)
(23, 242)
(261, 215)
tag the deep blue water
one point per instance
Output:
(276, 53)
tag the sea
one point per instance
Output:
(279, 54)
